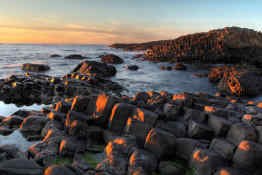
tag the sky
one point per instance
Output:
(120, 21)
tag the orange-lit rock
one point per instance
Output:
(244, 145)
(197, 156)
(210, 109)
(259, 105)
(251, 102)
(248, 117)
(101, 102)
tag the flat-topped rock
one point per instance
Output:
(35, 67)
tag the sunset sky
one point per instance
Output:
(110, 21)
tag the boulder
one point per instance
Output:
(8, 152)
(185, 146)
(119, 116)
(219, 125)
(111, 59)
(160, 142)
(169, 168)
(95, 68)
(20, 167)
(178, 129)
(180, 66)
(206, 162)
(58, 170)
(33, 125)
(132, 67)
(241, 131)
(248, 155)
(199, 131)
(35, 67)
(142, 159)
(223, 148)
(75, 56)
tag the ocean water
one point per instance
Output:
(148, 77)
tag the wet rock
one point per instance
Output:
(195, 115)
(111, 59)
(205, 162)
(55, 56)
(5, 131)
(160, 142)
(167, 168)
(180, 66)
(57, 170)
(75, 56)
(132, 67)
(35, 67)
(248, 155)
(20, 167)
(12, 122)
(241, 131)
(223, 148)
(95, 68)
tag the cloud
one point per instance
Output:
(76, 33)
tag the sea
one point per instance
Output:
(148, 77)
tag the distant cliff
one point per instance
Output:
(227, 45)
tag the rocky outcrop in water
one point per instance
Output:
(146, 134)
(111, 59)
(35, 67)
(237, 81)
(75, 57)
(227, 45)
(94, 68)
(36, 88)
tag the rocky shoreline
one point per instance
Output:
(90, 128)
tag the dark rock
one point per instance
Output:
(119, 116)
(59, 116)
(199, 131)
(20, 167)
(160, 142)
(35, 67)
(169, 168)
(132, 67)
(95, 68)
(33, 125)
(178, 129)
(205, 162)
(219, 125)
(185, 146)
(195, 115)
(180, 66)
(248, 155)
(75, 56)
(58, 170)
(223, 148)
(230, 171)
(55, 56)
(111, 59)
(142, 159)
(241, 131)
(8, 152)
(69, 146)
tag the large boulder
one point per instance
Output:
(35, 67)
(20, 167)
(57, 170)
(111, 59)
(95, 68)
